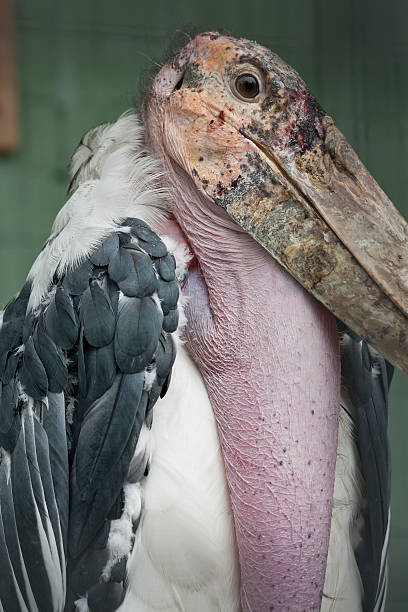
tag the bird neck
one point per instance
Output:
(268, 353)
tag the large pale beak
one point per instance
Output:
(324, 218)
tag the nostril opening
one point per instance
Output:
(179, 83)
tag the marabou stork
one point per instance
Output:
(260, 480)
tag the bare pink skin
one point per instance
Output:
(268, 353)
(269, 356)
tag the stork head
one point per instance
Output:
(259, 175)
(244, 127)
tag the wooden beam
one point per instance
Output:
(9, 115)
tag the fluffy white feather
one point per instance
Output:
(184, 557)
(150, 377)
(124, 185)
(120, 535)
(81, 605)
(343, 589)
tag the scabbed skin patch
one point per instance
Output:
(280, 167)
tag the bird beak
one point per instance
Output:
(290, 179)
(321, 214)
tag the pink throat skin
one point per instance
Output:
(269, 356)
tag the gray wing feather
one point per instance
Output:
(89, 345)
(367, 376)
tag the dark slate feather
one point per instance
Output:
(122, 271)
(166, 267)
(28, 327)
(119, 571)
(171, 320)
(85, 571)
(43, 474)
(54, 426)
(103, 254)
(153, 397)
(164, 360)
(81, 370)
(105, 431)
(168, 293)
(10, 338)
(26, 513)
(154, 247)
(35, 447)
(112, 289)
(165, 356)
(366, 376)
(139, 228)
(100, 370)
(148, 240)
(11, 330)
(89, 514)
(90, 342)
(51, 357)
(10, 366)
(124, 238)
(96, 315)
(8, 595)
(61, 321)
(9, 543)
(10, 420)
(17, 307)
(33, 375)
(165, 386)
(76, 281)
(138, 466)
(146, 279)
(105, 597)
(137, 333)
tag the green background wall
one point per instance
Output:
(81, 63)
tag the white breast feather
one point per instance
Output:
(343, 589)
(184, 558)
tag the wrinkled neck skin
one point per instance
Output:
(269, 356)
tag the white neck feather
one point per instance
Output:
(116, 179)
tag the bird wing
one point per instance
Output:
(366, 377)
(86, 350)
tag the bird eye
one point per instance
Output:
(247, 86)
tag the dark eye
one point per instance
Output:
(247, 86)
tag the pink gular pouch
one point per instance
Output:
(265, 188)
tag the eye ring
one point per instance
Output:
(247, 86)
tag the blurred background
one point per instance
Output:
(82, 62)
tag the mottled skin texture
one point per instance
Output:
(279, 160)
(258, 331)
(268, 352)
